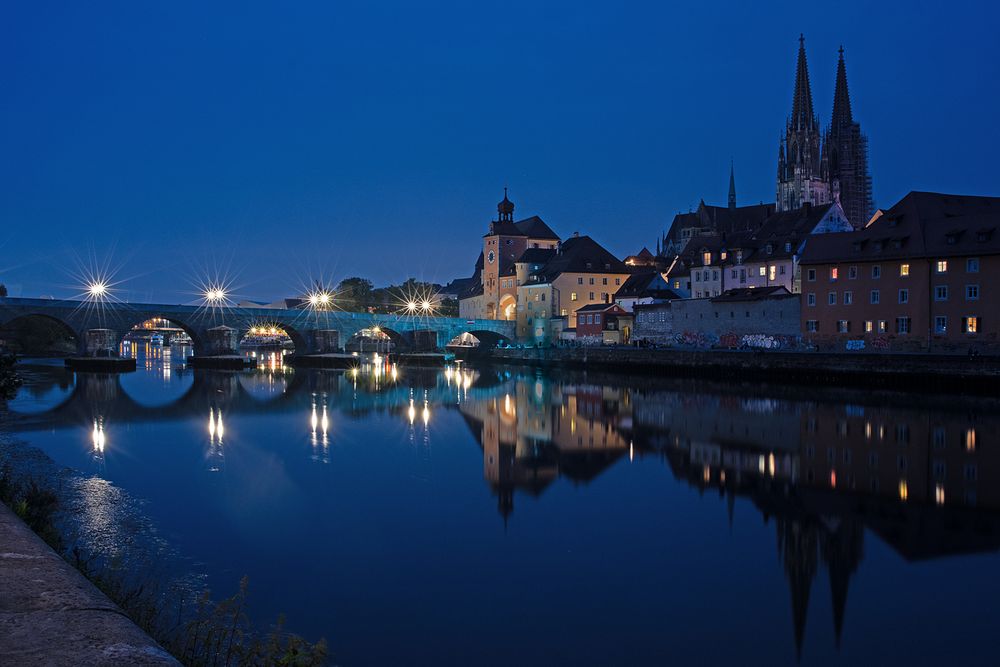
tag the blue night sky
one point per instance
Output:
(274, 142)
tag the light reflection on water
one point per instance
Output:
(416, 516)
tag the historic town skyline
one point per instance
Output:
(394, 163)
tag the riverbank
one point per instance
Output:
(920, 372)
(51, 615)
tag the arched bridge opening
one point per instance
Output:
(38, 334)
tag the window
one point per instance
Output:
(781, 269)
(868, 326)
(812, 326)
(572, 296)
(902, 325)
(942, 266)
(591, 280)
(582, 319)
(848, 297)
(874, 296)
(904, 296)
(597, 318)
(971, 292)
(715, 275)
(579, 281)
(833, 273)
(876, 272)
(940, 324)
(971, 324)
(763, 271)
(706, 258)
(972, 265)
(772, 272)
(843, 326)
(604, 281)
(618, 281)
(941, 293)
(970, 440)
(904, 269)
(811, 275)
(852, 272)
(832, 299)
(743, 276)
(788, 246)
(882, 327)
(590, 319)
(734, 274)
(810, 299)
(591, 296)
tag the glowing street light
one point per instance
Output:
(411, 306)
(215, 295)
(425, 305)
(98, 289)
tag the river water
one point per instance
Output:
(506, 516)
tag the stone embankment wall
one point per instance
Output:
(51, 615)
(956, 373)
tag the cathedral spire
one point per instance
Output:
(802, 103)
(841, 98)
(732, 187)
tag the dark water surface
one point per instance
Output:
(507, 517)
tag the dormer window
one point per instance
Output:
(788, 246)
(878, 246)
(984, 235)
(706, 258)
(770, 248)
(722, 255)
(589, 265)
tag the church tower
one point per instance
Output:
(845, 151)
(801, 169)
(732, 187)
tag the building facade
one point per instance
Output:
(920, 276)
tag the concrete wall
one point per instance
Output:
(710, 322)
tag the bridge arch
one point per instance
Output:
(484, 338)
(134, 322)
(45, 334)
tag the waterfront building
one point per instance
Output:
(645, 287)
(528, 275)
(604, 324)
(919, 276)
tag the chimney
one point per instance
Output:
(576, 235)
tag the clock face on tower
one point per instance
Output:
(491, 257)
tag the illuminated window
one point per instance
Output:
(939, 494)
(763, 271)
(942, 266)
(970, 324)
(706, 258)
(904, 269)
(869, 326)
(882, 328)
(833, 273)
(970, 439)
(773, 272)
(722, 255)
(903, 490)
(572, 296)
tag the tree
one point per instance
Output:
(355, 293)
(3, 290)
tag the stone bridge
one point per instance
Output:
(311, 330)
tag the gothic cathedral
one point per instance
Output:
(815, 169)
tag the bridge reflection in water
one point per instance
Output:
(922, 475)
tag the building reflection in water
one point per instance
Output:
(925, 481)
